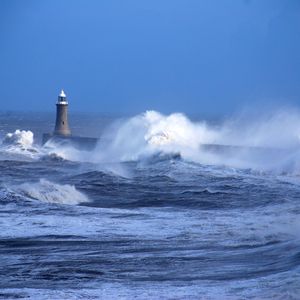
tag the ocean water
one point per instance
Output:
(151, 213)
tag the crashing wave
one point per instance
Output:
(19, 145)
(21, 138)
(268, 142)
(50, 192)
(176, 129)
(151, 133)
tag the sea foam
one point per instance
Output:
(51, 192)
(21, 138)
(267, 142)
(151, 133)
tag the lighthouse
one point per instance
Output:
(62, 133)
(61, 124)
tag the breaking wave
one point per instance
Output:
(269, 142)
(19, 145)
(48, 191)
(21, 138)
(56, 151)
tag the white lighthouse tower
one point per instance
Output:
(61, 124)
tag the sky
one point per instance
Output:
(208, 57)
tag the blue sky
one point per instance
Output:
(194, 56)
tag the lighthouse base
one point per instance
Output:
(79, 142)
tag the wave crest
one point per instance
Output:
(20, 138)
(48, 191)
(150, 133)
(269, 142)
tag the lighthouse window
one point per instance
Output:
(63, 122)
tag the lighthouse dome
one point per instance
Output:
(62, 98)
(62, 94)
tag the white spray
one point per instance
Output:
(48, 191)
(151, 132)
(276, 136)
(20, 138)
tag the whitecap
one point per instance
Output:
(51, 192)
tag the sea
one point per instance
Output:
(152, 212)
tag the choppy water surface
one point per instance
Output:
(145, 219)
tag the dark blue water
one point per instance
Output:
(161, 227)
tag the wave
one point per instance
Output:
(50, 192)
(19, 145)
(270, 142)
(21, 138)
(151, 133)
